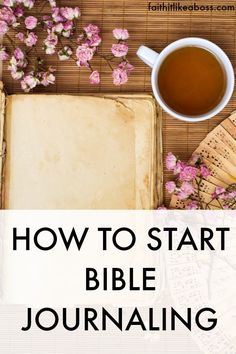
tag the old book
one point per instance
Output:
(81, 152)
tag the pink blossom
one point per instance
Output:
(47, 78)
(19, 54)
(9, 3)
(170, 187)
(119, 50)
(94, 78)
(94, 41)
(188, 173)
(219, 191)
(20, 36)
(205, 172)
(48, 21)
(185, 191)
(120, 77)
(84, 54)
(121, 34)
(70, 13)
(58, 28)
(7, 15)
(29, 82)
(77, 12)
(196, 158)
(68, 25)
(52, 3)
(67, 29)
(91, 30)
(124, 65)
(18, 11)
(29, 4)
(65, 53)
(50, 43)
(31, 22)
(180, 165)
(232, 195)
(17, 74)
(3, 53)
(193, 205)
(3, 27)
(56, 15)
(31, 40)
(171, 161)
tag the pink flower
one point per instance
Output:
(29, 4)
(47, 78)
(18, 11)
(69, 13)
(170, 187)
(91, 30)
(48, 21)
(31, 40)
(94, 78)
(94, 41)
(180, 165)
(58, 28)
(52, 3)
(218, 192)
(232, 195)
(20, 36)
(120, 77)
(9, 3)
(188, 173)
(3, 27)
(19, 54)
(84, 54)
(77, 12)
(65, 53)
(119, 50)
(67, 29)
(29, 82)
(196, 158)
(193, 205)
(7, 15)
(120, 34)
(56, 15)
(124, 65)
(17, 75)
(31, 22)
(50, 43)
(171, 161)
(162, 208)
(185, 191)
(205, 172)
(3, 53)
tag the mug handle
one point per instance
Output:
(147, 55)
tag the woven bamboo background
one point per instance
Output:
(154, 29)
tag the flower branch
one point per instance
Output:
(189, 178)
(63, 38)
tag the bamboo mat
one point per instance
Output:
(154, 29)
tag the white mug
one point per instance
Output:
(154, 60)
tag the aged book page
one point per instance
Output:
(75, 152)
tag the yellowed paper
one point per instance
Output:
(67, 152)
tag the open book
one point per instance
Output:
(80, 152)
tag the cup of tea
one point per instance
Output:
(192, 78)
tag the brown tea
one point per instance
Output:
(191, 81)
